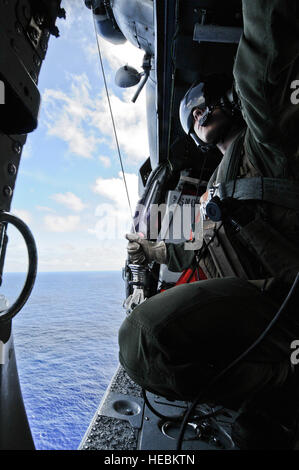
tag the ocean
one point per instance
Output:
(66, 346)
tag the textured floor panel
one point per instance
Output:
(121, 383)
(109, 433)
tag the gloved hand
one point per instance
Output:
(142, 251)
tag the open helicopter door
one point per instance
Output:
(25, 29)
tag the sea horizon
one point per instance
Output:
(81, 271)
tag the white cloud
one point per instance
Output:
(70, 200)
(45, 209)
(27, 149)
(114, 189)
(113, 218)
(55, 223)
(105, 161)
(79, 17)
(23, 215)
(78, 115)
(76, 15)
(84, 122)
(67, 117)
(130, 123)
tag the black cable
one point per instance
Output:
(160, 415)
(235, 362)
(180, 417)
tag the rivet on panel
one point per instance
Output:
(7, 191)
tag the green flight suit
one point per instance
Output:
(175, 342)
(266, 71)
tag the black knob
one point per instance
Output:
(214, 209)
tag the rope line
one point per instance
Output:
(113, 122)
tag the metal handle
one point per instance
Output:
(142, 83)
(32, 265)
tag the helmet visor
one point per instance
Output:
(194, 98)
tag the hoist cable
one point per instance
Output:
(113, 122)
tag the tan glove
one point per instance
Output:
(142, 251)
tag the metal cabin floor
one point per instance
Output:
(124, 422)
(108, 432)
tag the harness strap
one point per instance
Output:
(282, 192)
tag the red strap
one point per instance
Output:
(198, 275)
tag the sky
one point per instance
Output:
(69, 188)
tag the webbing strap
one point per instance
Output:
(282, 192)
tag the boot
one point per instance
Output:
(270, 421)
(258, 431)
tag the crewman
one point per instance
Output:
(177, 341)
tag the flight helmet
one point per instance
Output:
(213, 92)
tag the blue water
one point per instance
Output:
(66, 346)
